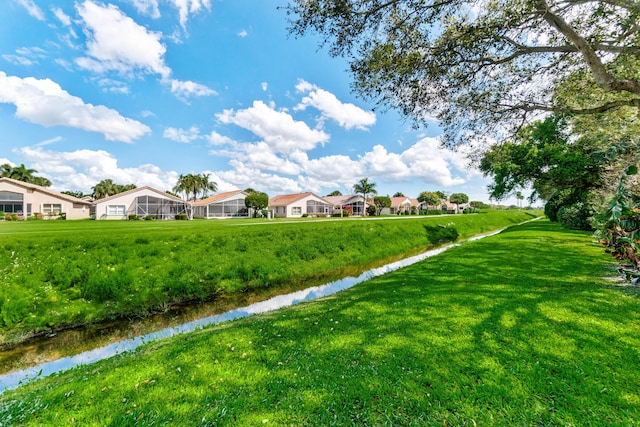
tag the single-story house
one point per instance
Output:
(141, 201)
(297, 205)
(353, 202)
(399, 205)
(221, 205)
(449, 207)
(25, 200)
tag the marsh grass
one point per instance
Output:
(59, 274)
(518, 329)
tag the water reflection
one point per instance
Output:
(58, 362)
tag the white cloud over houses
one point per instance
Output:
(346, 115)
(44, 102)
(278, 129)
(82, 169)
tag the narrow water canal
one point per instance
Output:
(49, 355)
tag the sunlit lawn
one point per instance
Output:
(519, 329)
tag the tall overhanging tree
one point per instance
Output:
(482, 69)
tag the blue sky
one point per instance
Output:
(141, 91)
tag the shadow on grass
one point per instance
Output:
(516, 329)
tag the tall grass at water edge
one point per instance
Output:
(519, 329)
(56, 274)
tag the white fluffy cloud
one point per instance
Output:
(115, 42)
(33, 9)
(147, 7)
(182, 135)
(185, 89)
(277, 129)
(187, 7)
(345, 114)
(44, 102)
(62, 17)
(82, 169)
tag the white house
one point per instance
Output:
(297, 205)
(223, 205)
(25, 200)
(141, 201)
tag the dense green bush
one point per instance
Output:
(577, 216)
(437, 234)
(182, 217)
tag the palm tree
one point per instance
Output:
(365, 187)
(206, 185)
(104, 188)
(519, 196)
(41, 181)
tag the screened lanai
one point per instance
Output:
(11, 202)
(159, 208)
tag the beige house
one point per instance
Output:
(297, 205)
(25, 200)
(141, 201)
(353, 202)
(223, 205)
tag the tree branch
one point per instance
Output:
(603, 78)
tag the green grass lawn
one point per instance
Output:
(520, 329)
(56, 274)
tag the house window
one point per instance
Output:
(51, 208)
(296, 210)
(116, 210)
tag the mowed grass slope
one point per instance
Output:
(518, 329)
(55, 274)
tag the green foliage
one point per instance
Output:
(182, 217)
(77, 272)
(577, 216)
(256, 200)
(438, 234)
(381, 202)
(459, 198)
(429, 198)
(468, 69)
(469, 337)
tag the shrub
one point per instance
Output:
(149, 217)
(182, 217)
(134, 217)
(304, 215)
(437, 234)
(577, 216)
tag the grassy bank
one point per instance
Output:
(55, 274)
(519, 329)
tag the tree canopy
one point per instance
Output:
(475, 65)
(193, 184)
(365, 188)
(23, 173)
(107, 187)
(256, 200)
(382, 202)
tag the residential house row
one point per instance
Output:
(27, 200)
